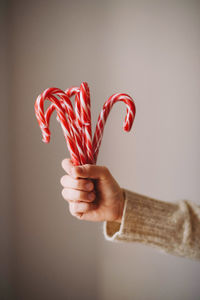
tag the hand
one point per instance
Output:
(92, 192)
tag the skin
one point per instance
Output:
(92, 193)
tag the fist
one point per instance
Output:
(92, 193)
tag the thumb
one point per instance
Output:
(67, 165)
(90, 171)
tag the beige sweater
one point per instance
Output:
(174, 228)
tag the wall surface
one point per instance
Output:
(5, 160)
(150, 50)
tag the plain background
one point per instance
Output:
(148, 49)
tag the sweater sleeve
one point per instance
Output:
(173, 228)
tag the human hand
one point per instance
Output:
(92, 192)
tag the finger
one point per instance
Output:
(77, 184)
(76, 195)
(77, 208)
(67, 165)
(90, 171)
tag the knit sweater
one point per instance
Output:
(171, 227)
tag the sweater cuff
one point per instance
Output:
(113, 230)
(144, 220)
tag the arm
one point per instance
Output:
(94, 195)
(174, 228)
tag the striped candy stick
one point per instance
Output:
(131, 110)
(77, 126)
(43, 120)
(75, 122)
(86, 121)
(71, 92)
(75, 91)
(75, 134)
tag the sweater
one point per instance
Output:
(171, 227)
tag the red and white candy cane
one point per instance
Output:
(83, 117)
(74, 132)
(104, 115)
(77, 125)
(43, 119)
(86, 120)
(75, 91)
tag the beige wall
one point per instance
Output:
(5, 159)
(149, 49)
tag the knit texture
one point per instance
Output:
(173, 228)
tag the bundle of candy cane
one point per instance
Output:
(76, 122)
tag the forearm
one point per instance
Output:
(174, 228)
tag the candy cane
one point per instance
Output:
(104, 115)
(79, 121)
(44, 120)
(71, 92)
(86, 120)
(83, 117)
(77, 125)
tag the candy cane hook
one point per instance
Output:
(131, 110)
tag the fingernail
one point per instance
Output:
(89, 186)
(91, 196)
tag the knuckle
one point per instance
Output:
(71, 209)
(87, 167)
(65, 194)
(63, 163)
(106, 171)
(62, 180)
(65, 180)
